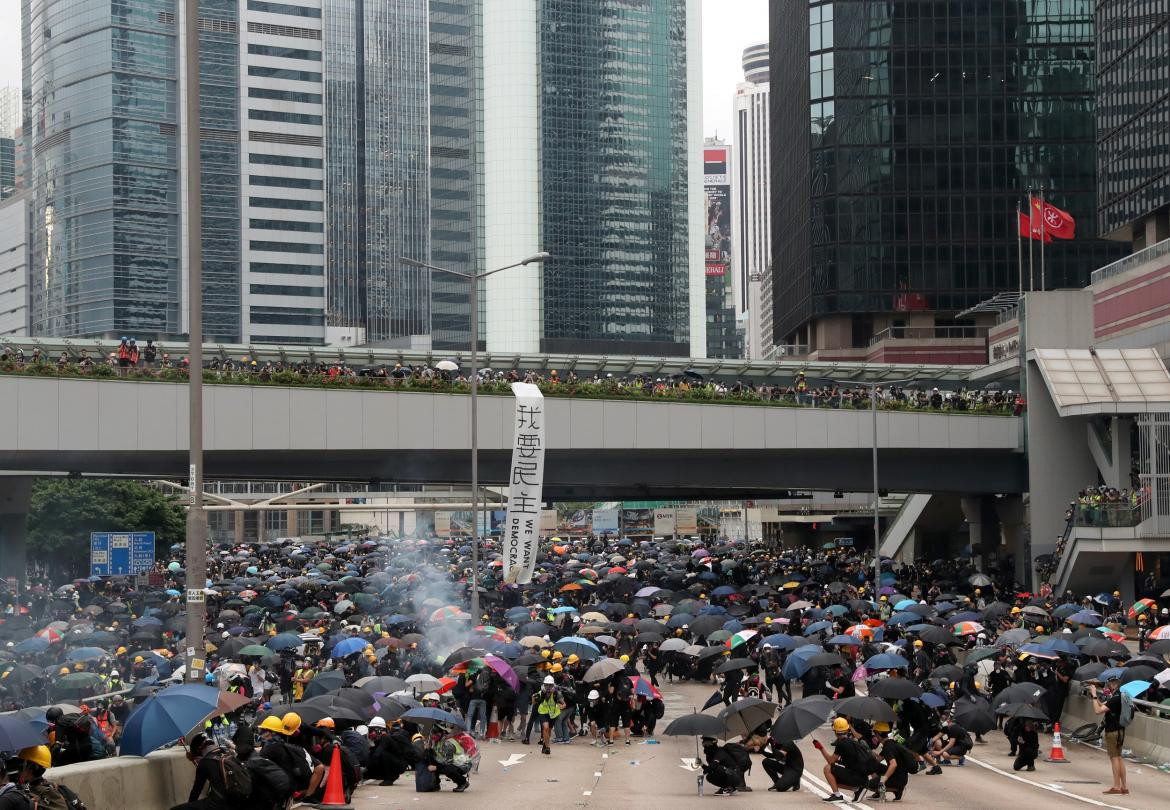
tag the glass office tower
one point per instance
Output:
(376, 168)
(904, 136)
(102, 167)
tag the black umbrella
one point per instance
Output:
(715, 699)
(381, 683)
(947, 672)
(1025, 692)
(1029, 711)
(801, 718)
(1103, 648)
(711, 652)
(936, 635)
(825, 659)
(975, 715)
(746, 715)
(736, 663)
(324, 682)
(649, 638)
(866, 708)
(461, 655)
(895, 689)
(1090, 671)
(699, 725)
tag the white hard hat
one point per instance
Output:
(594, 694)
(377, 722)
(548, 681)
(431, 696)
(362, 730)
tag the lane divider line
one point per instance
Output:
(1043, 786)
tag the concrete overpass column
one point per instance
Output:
(1010, 510)
(238, 526)
(291, 518)
(14, 499)
(326, 520)
(1120, 451)
(979, 511)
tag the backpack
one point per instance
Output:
(267, 773)
(1125, 716)
(906, 761)
(13, 794)
(302, 772)
(48, 796)
(229, 777)
(483, 680)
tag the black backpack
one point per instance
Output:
(269, 776)
(302, 772)
(229, 777)
(906, 761)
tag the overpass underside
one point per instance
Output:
(573, 474)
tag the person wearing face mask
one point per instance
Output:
(1115, 721)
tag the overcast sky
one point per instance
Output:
(728, 27)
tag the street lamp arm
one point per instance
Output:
(436, 268)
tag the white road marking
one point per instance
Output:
(820, 789)
(1044, 786)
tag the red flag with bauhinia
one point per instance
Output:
(1057, 223)
(1028, 232)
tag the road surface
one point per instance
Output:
(654, 777)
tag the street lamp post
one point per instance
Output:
(877, 553)
(473, 279)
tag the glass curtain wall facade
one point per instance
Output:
(906, 134)
(456, 151)
(1133, 118)
(614, 162)
(377, 168)
(101, 124)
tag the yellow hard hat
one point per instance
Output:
(1039, 628)
(882, 727)
(951, 685)
(917, 642)
(978, 685)
(555, 668)
(272, 723)
(978, 591)
(573, 658)
(558, 655)
(883, 598)
(138, 659)
(861, 589)
(80, 665)
(38, 755)
(840, 725)
(326, 722)
(1015, 610)
(64, 671)
(544, 653)
(767, 620)
(625, 659)
(629, 615)
(119, 651)
(1117, 593)
(291, 722)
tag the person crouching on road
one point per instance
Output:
(848, 764)
(721, 767)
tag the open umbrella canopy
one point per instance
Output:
(428, 716)
(17, 732)
(746, 715)
(801, 717)
(695, 725)
(975, 715)
(167, 716)
(866, 708)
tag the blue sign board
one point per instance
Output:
(113, 554)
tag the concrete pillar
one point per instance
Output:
(291, 518)
(238, 526)
(979, 511)
(1120, 456)
(1010, 511)
(14, 497)
(326, 520)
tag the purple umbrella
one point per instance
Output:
(702, 552)
(504, 670)
(887, 591)
(649, 590)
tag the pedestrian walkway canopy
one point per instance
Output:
(1086, 382)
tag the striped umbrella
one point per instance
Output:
(968, 628)
(1141, 606)
(1160, 632)
(739, 638)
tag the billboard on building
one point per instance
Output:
(605, 521)
(664, 522)
(686, 520)
(717, 184)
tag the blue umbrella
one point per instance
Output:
(887, 661)
(905, 603)
(733, 625)
(167, 716)
(932, 700)
(565, 609)
(1090, 617)
(147, 621)
(1059, 645)
(582, 647)
(172, 592)
(347, 646)
(903, 618)
(1109, 674)
(36, 644)
(781, 640)
(87, 654)
(17, 732)
(797, 665)
(679, 619)
(723, 590)
(817, 627)
(283, 641)
(836, 610)
(1135, 688)
(426, 715)
(713, 610)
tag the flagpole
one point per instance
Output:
(1019, 249)
(1031, 271)
(1043, 236)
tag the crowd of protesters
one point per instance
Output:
(131, 360)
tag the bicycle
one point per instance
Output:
(1088, 733)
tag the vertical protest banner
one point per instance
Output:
(525, 484)
(686, 520)
(605, 521)
(442, 524)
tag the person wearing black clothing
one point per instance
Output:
(652, 662)
(1028, 741)
(848, 764)
(784, 765)
(721, 767)
(392, 756)
(1114, 733)
(898, 762)
(207, 774)
(731, 681)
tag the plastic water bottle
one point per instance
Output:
(700, 781)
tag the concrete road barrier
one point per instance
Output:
(155, 782)
(1147, 736)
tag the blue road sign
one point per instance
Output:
(113, 554)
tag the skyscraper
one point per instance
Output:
(593, 152)
(904, 135)
(723, 337)
(751, 245)
(10, 115)
(1133, 121)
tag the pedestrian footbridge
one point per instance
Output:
(597, 449)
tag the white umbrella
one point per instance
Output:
(447, 365)
(422, 682)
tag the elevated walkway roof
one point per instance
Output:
(1104, 381)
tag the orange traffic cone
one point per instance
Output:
(335, 784)
(1057, 754)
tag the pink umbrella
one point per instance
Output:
(504, 670)
(702, 552)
